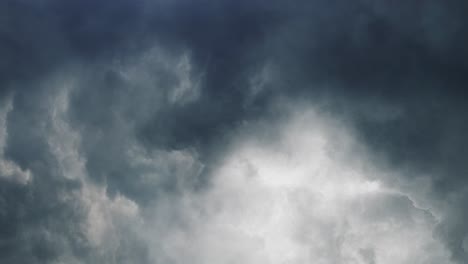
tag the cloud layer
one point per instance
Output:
(233, 131)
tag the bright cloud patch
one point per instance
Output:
(305, 195)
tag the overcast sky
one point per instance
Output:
(233, 132)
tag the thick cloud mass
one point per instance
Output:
(211, 132)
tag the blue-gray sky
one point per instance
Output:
(212, 132)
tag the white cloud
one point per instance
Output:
(309, 196)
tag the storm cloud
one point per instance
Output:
(233, 131)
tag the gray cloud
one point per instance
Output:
(120, 122)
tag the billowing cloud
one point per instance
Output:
(233, 131)
(308, 193)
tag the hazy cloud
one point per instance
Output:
(233, 131)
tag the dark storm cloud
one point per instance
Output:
(42, 220)
(410, 57)
(38, 222)
(396, 71)
(223, 37)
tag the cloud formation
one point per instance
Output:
(233, 131)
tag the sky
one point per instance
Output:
(226, 132)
